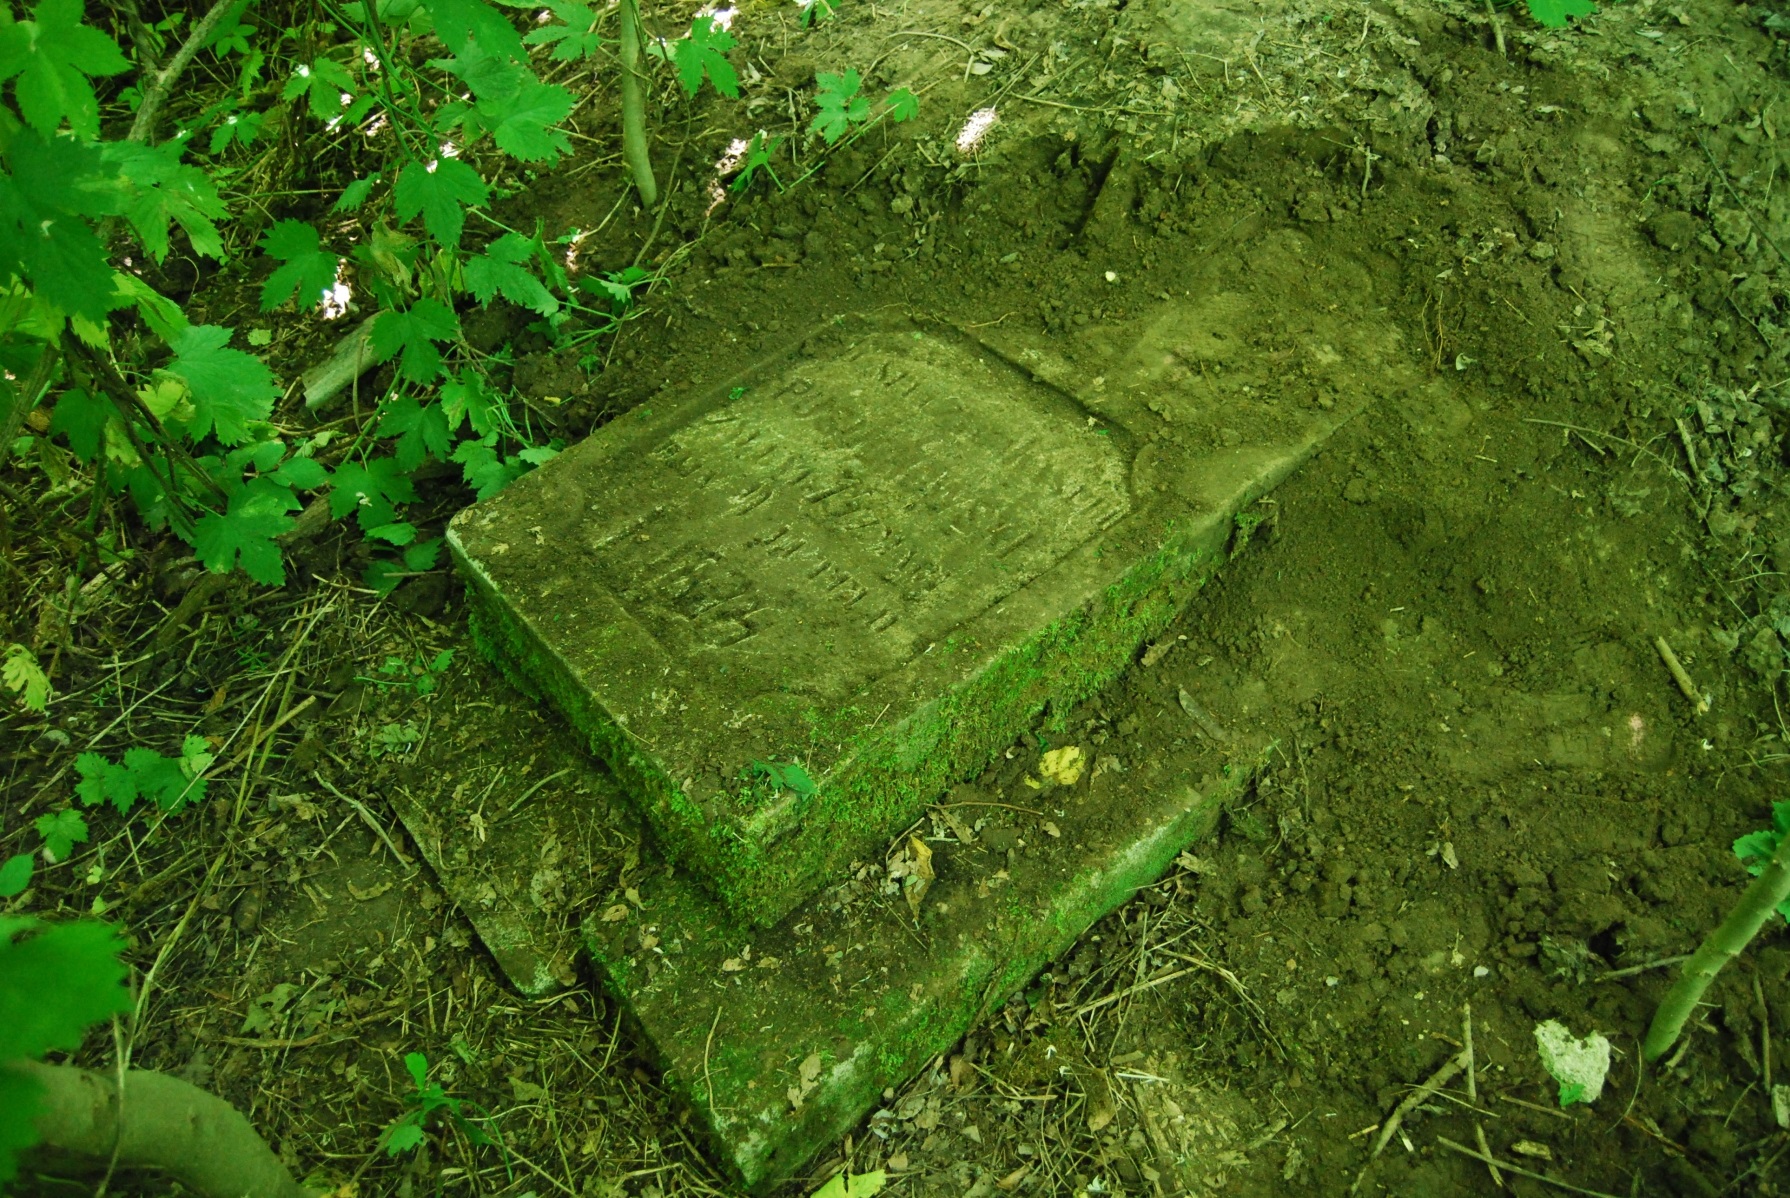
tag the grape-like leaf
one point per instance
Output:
(372, 490)
(55, 984)
(523, 126)
(467, 399)
(840, 105)
(904, 105)
(300, 473)
(463, 23)
(82, 418)
(163, 190)
(1553, 13)
(421, 431)
(499, 270)
(244, 533)
(322, 82)
(52, 55)
(438, 190)
(415, 330)
(483, 470)
(229, 388)
(61, 832)
(355, 194)
(239, 128)
(307, 269)
(703, 52)
(576, 38)
(51, 185)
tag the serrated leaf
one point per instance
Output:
(522, 122)
(1553, 13)
(499, 270)
(61, 832)
(904, 105)
(230, 389)
(15, 875)
(840, 105)
(483, 470)
(399, 533)
(372, 490)
(55, 984)
(161, 314)
(439, 190)
(703, 52)
(82, 419)
(52, 80)
(51, 186)
(21, 674)
(161, 190)
(415, 331)
(244, 533)
(468, 400)
(421, 556)
(576, 38)
(322, 82)
(355, 194)
(404, 1136)
(421, 431)
(308, 269)
(461, 24)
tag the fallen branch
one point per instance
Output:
(1507, 1167)
(156, 1122)
(1437, 1080)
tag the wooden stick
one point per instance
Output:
(1437, 1080)
(1519, 1170)
(1698, 702)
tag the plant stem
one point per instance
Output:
(634, 148)
(1767, 891)
(17, 402)
(143, 128)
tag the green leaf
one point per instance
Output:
(483, 470)
(438, 190)
(1553, 13)
(21, 674)
(415, 331)
(468, 399)
(840, 105)
(52, 78)
(703, 52)
(162, 191)
(904, 105)
(421, 556)
(405, 1136)
(56, 984)
(322, 82)
(15, 875)
(230, 388)
(420, 431)
(103, 781)
(61, 832)
(301, 473)
(371, 490)
(244, 534)
(355, 194)
(523, 126)
(575, 39)
(400, 533)
(81, 418)
(853, 1185)
(50, 187)
(499, 270)
(161, 314)
(309, 270)
(464, 24)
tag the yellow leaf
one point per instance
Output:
(1063, 766)
(853, 1185)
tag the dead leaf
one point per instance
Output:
(963, 1074)
(615, 914)
(1158, 651)
(853, 1185)
(1063, 766)
(958, 828)
(898, 1162)
(1448, 856)
(527, 1091)
(810, 1068)
(1052, 830)
(369, 894)
(1012, 1180)
(732, 965)
(920, 875)
(1540, 1152)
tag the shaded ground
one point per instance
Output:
(1488, 789)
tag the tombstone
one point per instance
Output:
(793, 609)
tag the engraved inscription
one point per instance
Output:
(854, 508)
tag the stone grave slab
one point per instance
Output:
(877, 556)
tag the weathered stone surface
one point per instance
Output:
(879, 556)
(782, 1039)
